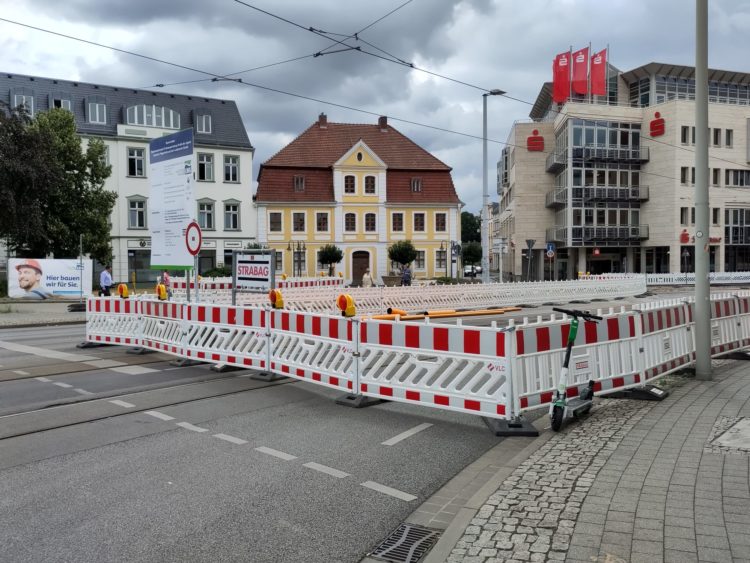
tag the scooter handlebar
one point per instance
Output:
(585, 315)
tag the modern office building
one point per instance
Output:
(126, 119)
(609, 180)
(362, 188)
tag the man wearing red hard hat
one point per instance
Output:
(30, 280)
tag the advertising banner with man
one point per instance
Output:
(172, 203)
(30, 278)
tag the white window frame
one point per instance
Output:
(328, 221)
(354, 184)
(203, 124)
(416, 185)
(375, 225)
(438, 266)
(374, 185)
(97, 113)
(25, 100)
(445, 230)
(64, 103)
(304, 222)
(346, 229)
(208, 165)
(423, 255)
(206, 212)
(414, 222)
(393, 230)
(281, 222)
(149, 115)
(231, 164)
(136, 158)
(299, 183)
(139, 210)
(279, 264)
(232, 213)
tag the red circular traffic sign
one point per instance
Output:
(193, 238)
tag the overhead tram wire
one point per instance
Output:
(278, 91)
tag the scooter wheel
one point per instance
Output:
(557, 418)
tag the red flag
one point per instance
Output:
(561, 77)
(599, 73)
(581, 71)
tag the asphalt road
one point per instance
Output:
(131, 459)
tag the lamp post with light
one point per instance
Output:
(298, 247)
(485, 215)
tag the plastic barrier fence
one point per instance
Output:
(489, 371)
(688, 278)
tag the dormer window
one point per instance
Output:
(299, 183)
(416, 184)
(203, 123)
(96, 110)
(153, 116)
(60, 100)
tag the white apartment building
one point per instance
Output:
(613, 186)
(126, 119)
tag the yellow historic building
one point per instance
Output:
(361, 188)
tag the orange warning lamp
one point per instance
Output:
(346, 304)
(122, 291)
(276, 299)
(161, 291)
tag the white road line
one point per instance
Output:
(20, 372)
(45, 353)
(275, 453)
(43, 379)
(133, 370)
(171, 369)
(82, 391)
(388, 491)
(104, 363)
(159, 415)
(122, 404)
(407, 434)
(61, 384)
(188, 426)
(325, 469)
(228, 438)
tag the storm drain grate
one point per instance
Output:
(407, 544)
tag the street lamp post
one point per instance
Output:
(685, 256)
(485, 215)
(298, 247)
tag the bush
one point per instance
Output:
(223, 272)
(444, 280)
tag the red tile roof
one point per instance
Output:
(315, 151)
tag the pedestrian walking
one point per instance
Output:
(105, 281)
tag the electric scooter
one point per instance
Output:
(563, 408)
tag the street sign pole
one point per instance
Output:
(529, 256)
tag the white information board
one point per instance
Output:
(254, 270)
(172, 203)
(42, 279)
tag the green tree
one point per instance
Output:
(330, 254)
(470, 227)
(53, 187)
(402, 252)
(471, 253)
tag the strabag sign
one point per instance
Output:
(254, 271)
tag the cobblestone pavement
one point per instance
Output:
(635, 481)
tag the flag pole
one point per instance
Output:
(606, 74)
(588, 74)
(570, 73)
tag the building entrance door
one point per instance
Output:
(360, 262)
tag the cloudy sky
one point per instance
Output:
(478, 44)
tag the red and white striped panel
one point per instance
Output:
(606, 385)
(535, 339)
(458, 368)
(459, 340)
(111, 305)
(111, 320)
(182, 285)
(312, 324)
(226, 315)
(725, 326)
(665, 318)
(162, 309)
(743, 312)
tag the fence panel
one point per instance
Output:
(315, 348)
(458, 368)
(162, 326)
(110, 320)
(667, 342)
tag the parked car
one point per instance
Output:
(472, 271)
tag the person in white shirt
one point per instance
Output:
(105, 281)
(367, 279)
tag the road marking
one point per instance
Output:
(60, 384)
(82, 391)
(122, 404)
(275, 453)
(388, 491)
(188, 426)
(133, 370)
(171, 369)
(45, 353)
(43, 379)
(407, 434)
(104, 363)
(325, 469)
(228, 438)
(159, 415)
(20, 372)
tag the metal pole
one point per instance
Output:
(702, 289)
(485, 198)
(197, 289)
(80, 262)
(187, 284)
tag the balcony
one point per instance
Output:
(600, 193)
(612, 154)
(557, 234)
(611, 235)
(556, 162)
(556, 198)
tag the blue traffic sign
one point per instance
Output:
(550, 247)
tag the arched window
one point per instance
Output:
(153, 116)
(370, 185)
(349, 184)
(350, 222)
(370, 225)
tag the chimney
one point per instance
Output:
(383, 123)
(322, 121)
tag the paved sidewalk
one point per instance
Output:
(18, 313)
(635, 481)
